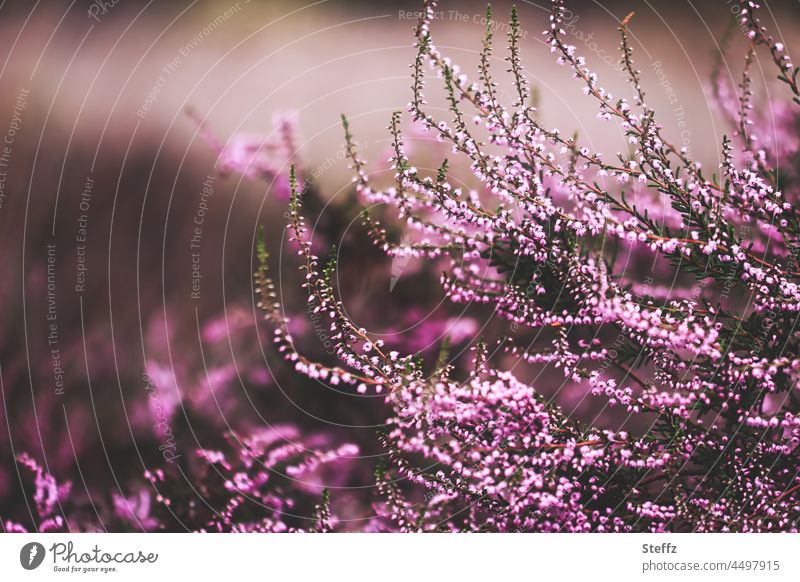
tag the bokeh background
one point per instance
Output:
(101, 107)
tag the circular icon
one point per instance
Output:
(31, 555)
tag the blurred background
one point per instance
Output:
(118, 117)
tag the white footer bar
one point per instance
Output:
(406, 557)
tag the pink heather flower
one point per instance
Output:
(265, 481)
(258, 157)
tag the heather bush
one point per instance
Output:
(702, 352)
(695, 356)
